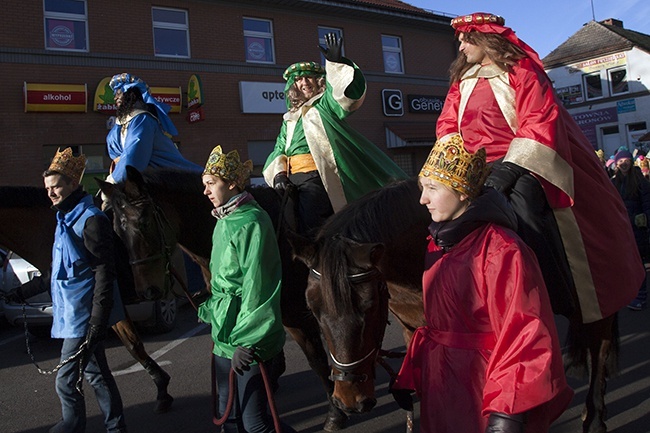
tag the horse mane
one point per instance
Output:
(381, 216)
(24, 197)
(173, 180)
(378, 215)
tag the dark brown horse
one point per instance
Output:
(27, 224)
(381, 239)
(377, 241)
(157, 209)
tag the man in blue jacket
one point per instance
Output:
(84, 293)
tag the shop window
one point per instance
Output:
(171, 33)
(66, 25)
(322, 31)
(593, 86)
(636, 131)
(392, 49)
(618, 81)
(258, 40)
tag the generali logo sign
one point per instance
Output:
(55, 97)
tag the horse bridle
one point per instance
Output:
(165, 251)
(347, 373)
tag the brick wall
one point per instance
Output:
(120, 40)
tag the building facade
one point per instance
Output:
(602, 74)
(219, 64)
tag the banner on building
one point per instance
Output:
(589, 120)
(262, 97)
(194, 93)
(70, 98)
(171, 96)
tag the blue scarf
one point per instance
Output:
(70, 250)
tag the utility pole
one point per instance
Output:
(593, 14)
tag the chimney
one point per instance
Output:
(613, 22)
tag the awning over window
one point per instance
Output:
(645, 137)
(405, 134)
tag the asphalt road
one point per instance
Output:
(28, 402)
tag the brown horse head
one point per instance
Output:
(348, 296)
(148, 235)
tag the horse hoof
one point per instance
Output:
(163, 404)
(336, 420)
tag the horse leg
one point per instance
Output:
(602, 337)
(309, 340)
(127, 333)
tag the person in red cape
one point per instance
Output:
(568, 212)
(489, 359)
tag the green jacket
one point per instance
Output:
(349, 164)
(244, 309)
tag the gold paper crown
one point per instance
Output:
(228, 166)
(477, 19)
(449, 163)
(67, 164)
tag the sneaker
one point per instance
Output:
(637, 305)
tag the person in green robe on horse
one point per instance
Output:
(328, 162)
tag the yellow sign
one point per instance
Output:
(168, 95)
(593, 65)
(104, 101)
(55, 97)
(194, 93)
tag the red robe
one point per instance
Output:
(517, 116)
(490, 344)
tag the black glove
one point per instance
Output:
(281, 181)
(332, 51)
(403, 397)
(95, 334)
(504, 176)
(242, 359)
(502, 423)
(15, 296)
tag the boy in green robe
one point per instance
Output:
(244, 306)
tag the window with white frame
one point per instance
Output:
(66, 25)
(171, 32)
(617, 81)
(392, 48)
(593, 86)
(258, 40)
(322, 31)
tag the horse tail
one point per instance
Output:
(586, 341)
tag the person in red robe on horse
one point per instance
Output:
(567, 209)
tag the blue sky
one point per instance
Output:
(545, 24)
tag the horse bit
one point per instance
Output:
(347, 369)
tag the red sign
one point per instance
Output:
(55, 97)
(171, 96)
(194, 116)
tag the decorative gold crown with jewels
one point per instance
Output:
(449, 163)
(64, 162)
(228, 166)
